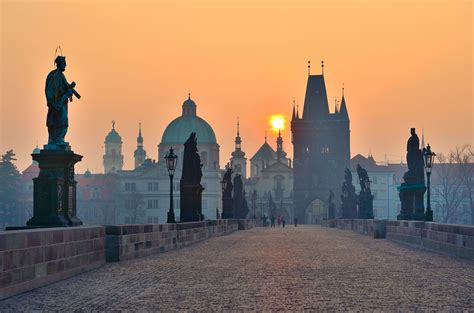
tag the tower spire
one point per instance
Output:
(279, 145)
(293, 116)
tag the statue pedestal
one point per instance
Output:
(227, 208)
(191, 207)
(54, 195)
(411, 196)
(366, 205)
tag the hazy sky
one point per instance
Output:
(404, 64)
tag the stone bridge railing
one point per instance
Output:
(456, 240)
(36, 257)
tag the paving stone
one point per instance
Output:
(294, 269)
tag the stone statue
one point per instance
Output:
(192, 167)
(58, 93)
(239, 203)
(413, 188)
(227, 201)
(190, 184)
(366, 199)
(363, 178)
(348, 197)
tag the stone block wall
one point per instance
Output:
(125, 242)
(374, 228)
(36, 257)
(457, 240)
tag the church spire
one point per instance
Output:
(336, 110)
(279, 146)
(139, 153)
(238, 140)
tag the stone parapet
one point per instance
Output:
(125, 242)
(32, 258)
(457, 240)
(373, 228)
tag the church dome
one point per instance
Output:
(178, 131)
(113, 136)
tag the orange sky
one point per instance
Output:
(136, 61)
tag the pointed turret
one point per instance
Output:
(343, 108)
(279, 146)
(293, 116)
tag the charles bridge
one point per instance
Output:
(348, 265)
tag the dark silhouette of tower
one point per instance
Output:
(321, 144)
(140, 153)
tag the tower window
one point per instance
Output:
(155, 186)
(150, 186)
(325, 150)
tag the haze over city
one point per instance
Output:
(403, 64)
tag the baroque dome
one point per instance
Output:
(113, 136)
(178, 131)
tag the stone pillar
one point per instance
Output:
(54, 195)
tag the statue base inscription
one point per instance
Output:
(54, 190)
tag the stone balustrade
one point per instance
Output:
(456, 240)
(36, 257)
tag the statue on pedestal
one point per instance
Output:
(366, 199)
(54, 190)
(412, 190)
(348, 197)
(190, 184)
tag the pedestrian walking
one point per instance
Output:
(296, 221)
(283, 221)
(279, 220)
(272, 221)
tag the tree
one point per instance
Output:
(450, 191)
(464, 156)
(9, 186)
(135, 207)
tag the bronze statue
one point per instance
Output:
(348, 197)
(58, 93)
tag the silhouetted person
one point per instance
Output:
(296, 221)
(283, 221)
(272, 221)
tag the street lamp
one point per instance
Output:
(429, 160)
(171, 159)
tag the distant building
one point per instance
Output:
(238, 161)
(143, 193)
(272, 180)
(321, 144)
(113, 157)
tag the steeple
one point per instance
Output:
(279, 146)
(140, 153)
(238, 159)
(336, 110)
(343, 108)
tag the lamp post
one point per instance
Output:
(429, 160)
(171, 159)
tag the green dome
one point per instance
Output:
(179, 129)
(113, 136)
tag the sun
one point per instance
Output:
(278, 122)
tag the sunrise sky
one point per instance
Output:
(403, 63)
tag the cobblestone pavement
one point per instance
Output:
(304, 268)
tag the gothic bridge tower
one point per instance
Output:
(321, 145)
